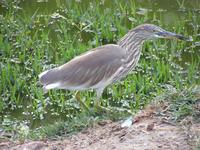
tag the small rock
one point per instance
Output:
(150, 127)
(127, 123)
(103, 123)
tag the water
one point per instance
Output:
(171, 13)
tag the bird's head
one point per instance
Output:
(150, 31)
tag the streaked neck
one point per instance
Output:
(131, 41)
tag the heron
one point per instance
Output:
(103, 65)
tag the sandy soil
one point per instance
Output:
(149, 131)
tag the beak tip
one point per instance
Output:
(181, 37)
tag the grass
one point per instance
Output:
(182, 102)
(34, 40)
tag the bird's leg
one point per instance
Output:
(77, 96)
(97, 103)
(99, 95)
(110, 109)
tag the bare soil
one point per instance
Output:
(151, 130)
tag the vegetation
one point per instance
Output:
(35, 39)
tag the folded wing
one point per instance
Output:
(92, 69)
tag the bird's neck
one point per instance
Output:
(131, 42)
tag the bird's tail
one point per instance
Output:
(43, 77)
(49, 79)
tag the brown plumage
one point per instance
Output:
(77, 73)
(103, 65)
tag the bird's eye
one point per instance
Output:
(154, 30)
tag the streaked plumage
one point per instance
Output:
(103, 65)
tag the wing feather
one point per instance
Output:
(86, 70)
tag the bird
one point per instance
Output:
(104, 65)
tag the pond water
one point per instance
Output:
(170, 12)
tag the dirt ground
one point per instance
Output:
(151, 129)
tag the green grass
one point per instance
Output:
(34, 40)
(182, 102)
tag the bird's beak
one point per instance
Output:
(171, 35)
